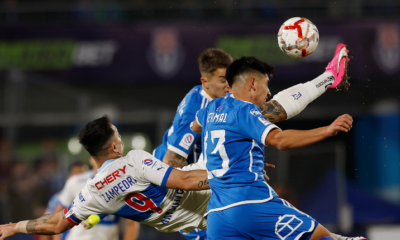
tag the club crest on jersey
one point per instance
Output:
(187, 141)
(219, 108)
(148, 162)
(286, 225)
(255, 112)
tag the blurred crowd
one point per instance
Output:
(26, 185)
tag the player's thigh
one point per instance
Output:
(276, 219)
(220, 226)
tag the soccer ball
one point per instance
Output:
(298, 37)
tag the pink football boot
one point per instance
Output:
(338, 66)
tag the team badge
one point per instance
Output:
(148, 162)
(386, 50)
(286, 225)
(166, 54)
(264, 121)
(187, 141)
(255, 112)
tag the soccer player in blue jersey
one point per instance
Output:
(182, 146)
(234, 132)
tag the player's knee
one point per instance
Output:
(327, 238)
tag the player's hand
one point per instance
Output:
(343, 123)
(7, 230)
(267, 165)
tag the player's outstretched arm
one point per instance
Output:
(289, 139)
(49, 224)
(188, 180)
(174, 160)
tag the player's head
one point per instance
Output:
(251, 76)
(101, 138)
(212, 64)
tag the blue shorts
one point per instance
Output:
(275, 219)
(196, 234)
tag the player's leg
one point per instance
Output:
(222, 226)
(321, 232)
(296, 98)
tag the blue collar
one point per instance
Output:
(105, 164)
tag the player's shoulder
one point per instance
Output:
(197, 95)
(138, 155)
(138, 158)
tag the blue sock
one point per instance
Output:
(326, 238)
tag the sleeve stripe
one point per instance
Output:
(197, 119)
(266, 131)
(72, 219)
(177, 150)
(166, 176)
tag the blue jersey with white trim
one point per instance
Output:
(134, 187)
(179, 138)
(234, 135)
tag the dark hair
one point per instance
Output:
(213, 58)
(246, 65)
(95, 135)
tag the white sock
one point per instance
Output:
(296, 98)
(317, 86)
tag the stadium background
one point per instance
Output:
(64, 63)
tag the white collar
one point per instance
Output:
(205, 94)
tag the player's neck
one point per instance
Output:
(241, 94)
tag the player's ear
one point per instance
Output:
(252, 83)
(204, 81)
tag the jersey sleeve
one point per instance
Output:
(67, 193)
(253, 123)
(181, 138)
(82, 207)
(200, 116)
(150, 168)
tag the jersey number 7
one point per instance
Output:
(220, 148)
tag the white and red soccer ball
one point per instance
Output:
(298, 37)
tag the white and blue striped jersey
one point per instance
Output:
(106, 229)
(134, 187)
(180, 138)
(234, 134)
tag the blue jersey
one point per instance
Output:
(234, 134)
(179, 138)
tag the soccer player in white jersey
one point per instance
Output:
(234, 133)
(182, 146)
(136, 186)
(107, 228)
